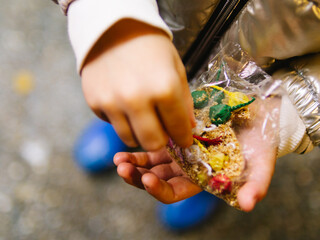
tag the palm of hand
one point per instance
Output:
(157, 173)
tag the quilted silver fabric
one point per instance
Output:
(186, 18)
(276, 30)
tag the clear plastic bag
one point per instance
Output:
(234, 100)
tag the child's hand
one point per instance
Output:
(157, 173)
(259, 141)
(135, 79)
(162, 178)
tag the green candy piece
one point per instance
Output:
(217, 95)
(219, 114)
(200, 99)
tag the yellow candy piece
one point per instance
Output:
(201, 146)
(202, 178)
(235, 98)
(217, 161)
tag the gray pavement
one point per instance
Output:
(44, 195)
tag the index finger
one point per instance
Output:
(176, 119)
(261, 168)
(143, 159)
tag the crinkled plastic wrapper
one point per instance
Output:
(232, 102)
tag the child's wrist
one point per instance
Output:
(122, 32)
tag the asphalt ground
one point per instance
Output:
(44, 195)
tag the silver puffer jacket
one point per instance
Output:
(186, 18)
(268, 30)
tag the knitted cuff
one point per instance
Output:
(293, 136)
(89, 19)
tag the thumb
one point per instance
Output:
(261, 165)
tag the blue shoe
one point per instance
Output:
(95, 148)
(188, 213)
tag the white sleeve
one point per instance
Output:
(89, 19)
(293, 136)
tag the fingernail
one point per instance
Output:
(146, 186)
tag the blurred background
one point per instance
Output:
(45, 195)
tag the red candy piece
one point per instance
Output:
(221, 183)
(209, 141)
